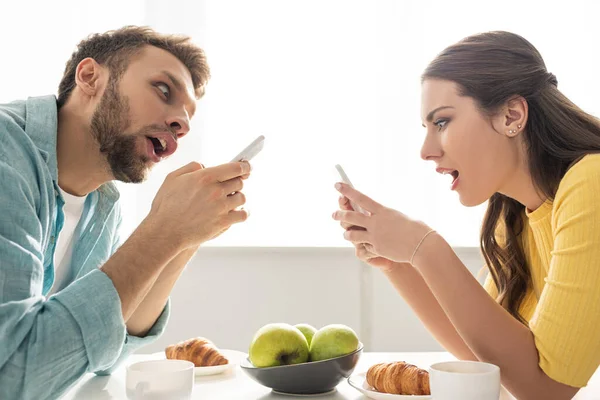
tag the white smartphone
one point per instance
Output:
(251, 150)
(346, 180)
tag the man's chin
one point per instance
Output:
(132, 172)
(132, 176)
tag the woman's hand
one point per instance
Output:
(362, 253)
(384, 233)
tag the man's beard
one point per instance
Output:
(109, 123)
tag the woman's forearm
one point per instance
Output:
(488, 329)
(411, 286)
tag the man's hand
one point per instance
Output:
(196, 204)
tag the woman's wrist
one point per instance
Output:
(396, 267)
(428, 231)
(429, 250)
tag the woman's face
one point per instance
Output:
(473, 149)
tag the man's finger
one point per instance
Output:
(186, 169)
(232, 186)
(235, 200)
(236, 216)
(225, 172)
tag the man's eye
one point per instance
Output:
(164, 88)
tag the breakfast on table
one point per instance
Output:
(281, 344)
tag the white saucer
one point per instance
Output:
(359, 382)
(234, 357)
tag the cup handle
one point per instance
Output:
(140, 388)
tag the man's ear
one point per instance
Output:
(90, 76)
(512, 119)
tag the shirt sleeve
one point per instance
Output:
(488, 283)
(490, 286)
(132, 343)
(566, 322)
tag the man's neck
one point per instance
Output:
(81, 167)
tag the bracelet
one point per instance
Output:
(419, 245)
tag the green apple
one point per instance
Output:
(308, 331)
(278, 344)
(333, 341)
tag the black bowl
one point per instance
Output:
(312, 377)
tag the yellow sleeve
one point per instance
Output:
(490, 286)
(566, 322)
(488, 283)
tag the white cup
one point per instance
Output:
(160, 379)
(464, 380)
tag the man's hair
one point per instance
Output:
(116, 48)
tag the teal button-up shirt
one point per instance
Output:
(47, 344)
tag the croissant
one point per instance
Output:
(201, 351)
(398, 378)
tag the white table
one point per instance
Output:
(235, 384)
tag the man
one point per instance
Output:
(70, 302)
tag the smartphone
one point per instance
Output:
(251, 150)
(346, 180)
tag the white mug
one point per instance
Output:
(464, 380)
(160, 379)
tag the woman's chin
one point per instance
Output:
(470, 200)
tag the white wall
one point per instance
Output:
(226, 294)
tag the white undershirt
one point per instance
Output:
(63, 253)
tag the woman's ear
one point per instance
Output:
(511, 121)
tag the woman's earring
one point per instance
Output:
(519, 126)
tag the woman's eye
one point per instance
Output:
(165, 89)
(440, 123)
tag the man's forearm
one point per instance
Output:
(146, 314)
(138, 263)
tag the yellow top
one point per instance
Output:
(561, 241)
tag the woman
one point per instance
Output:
(497, 123)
